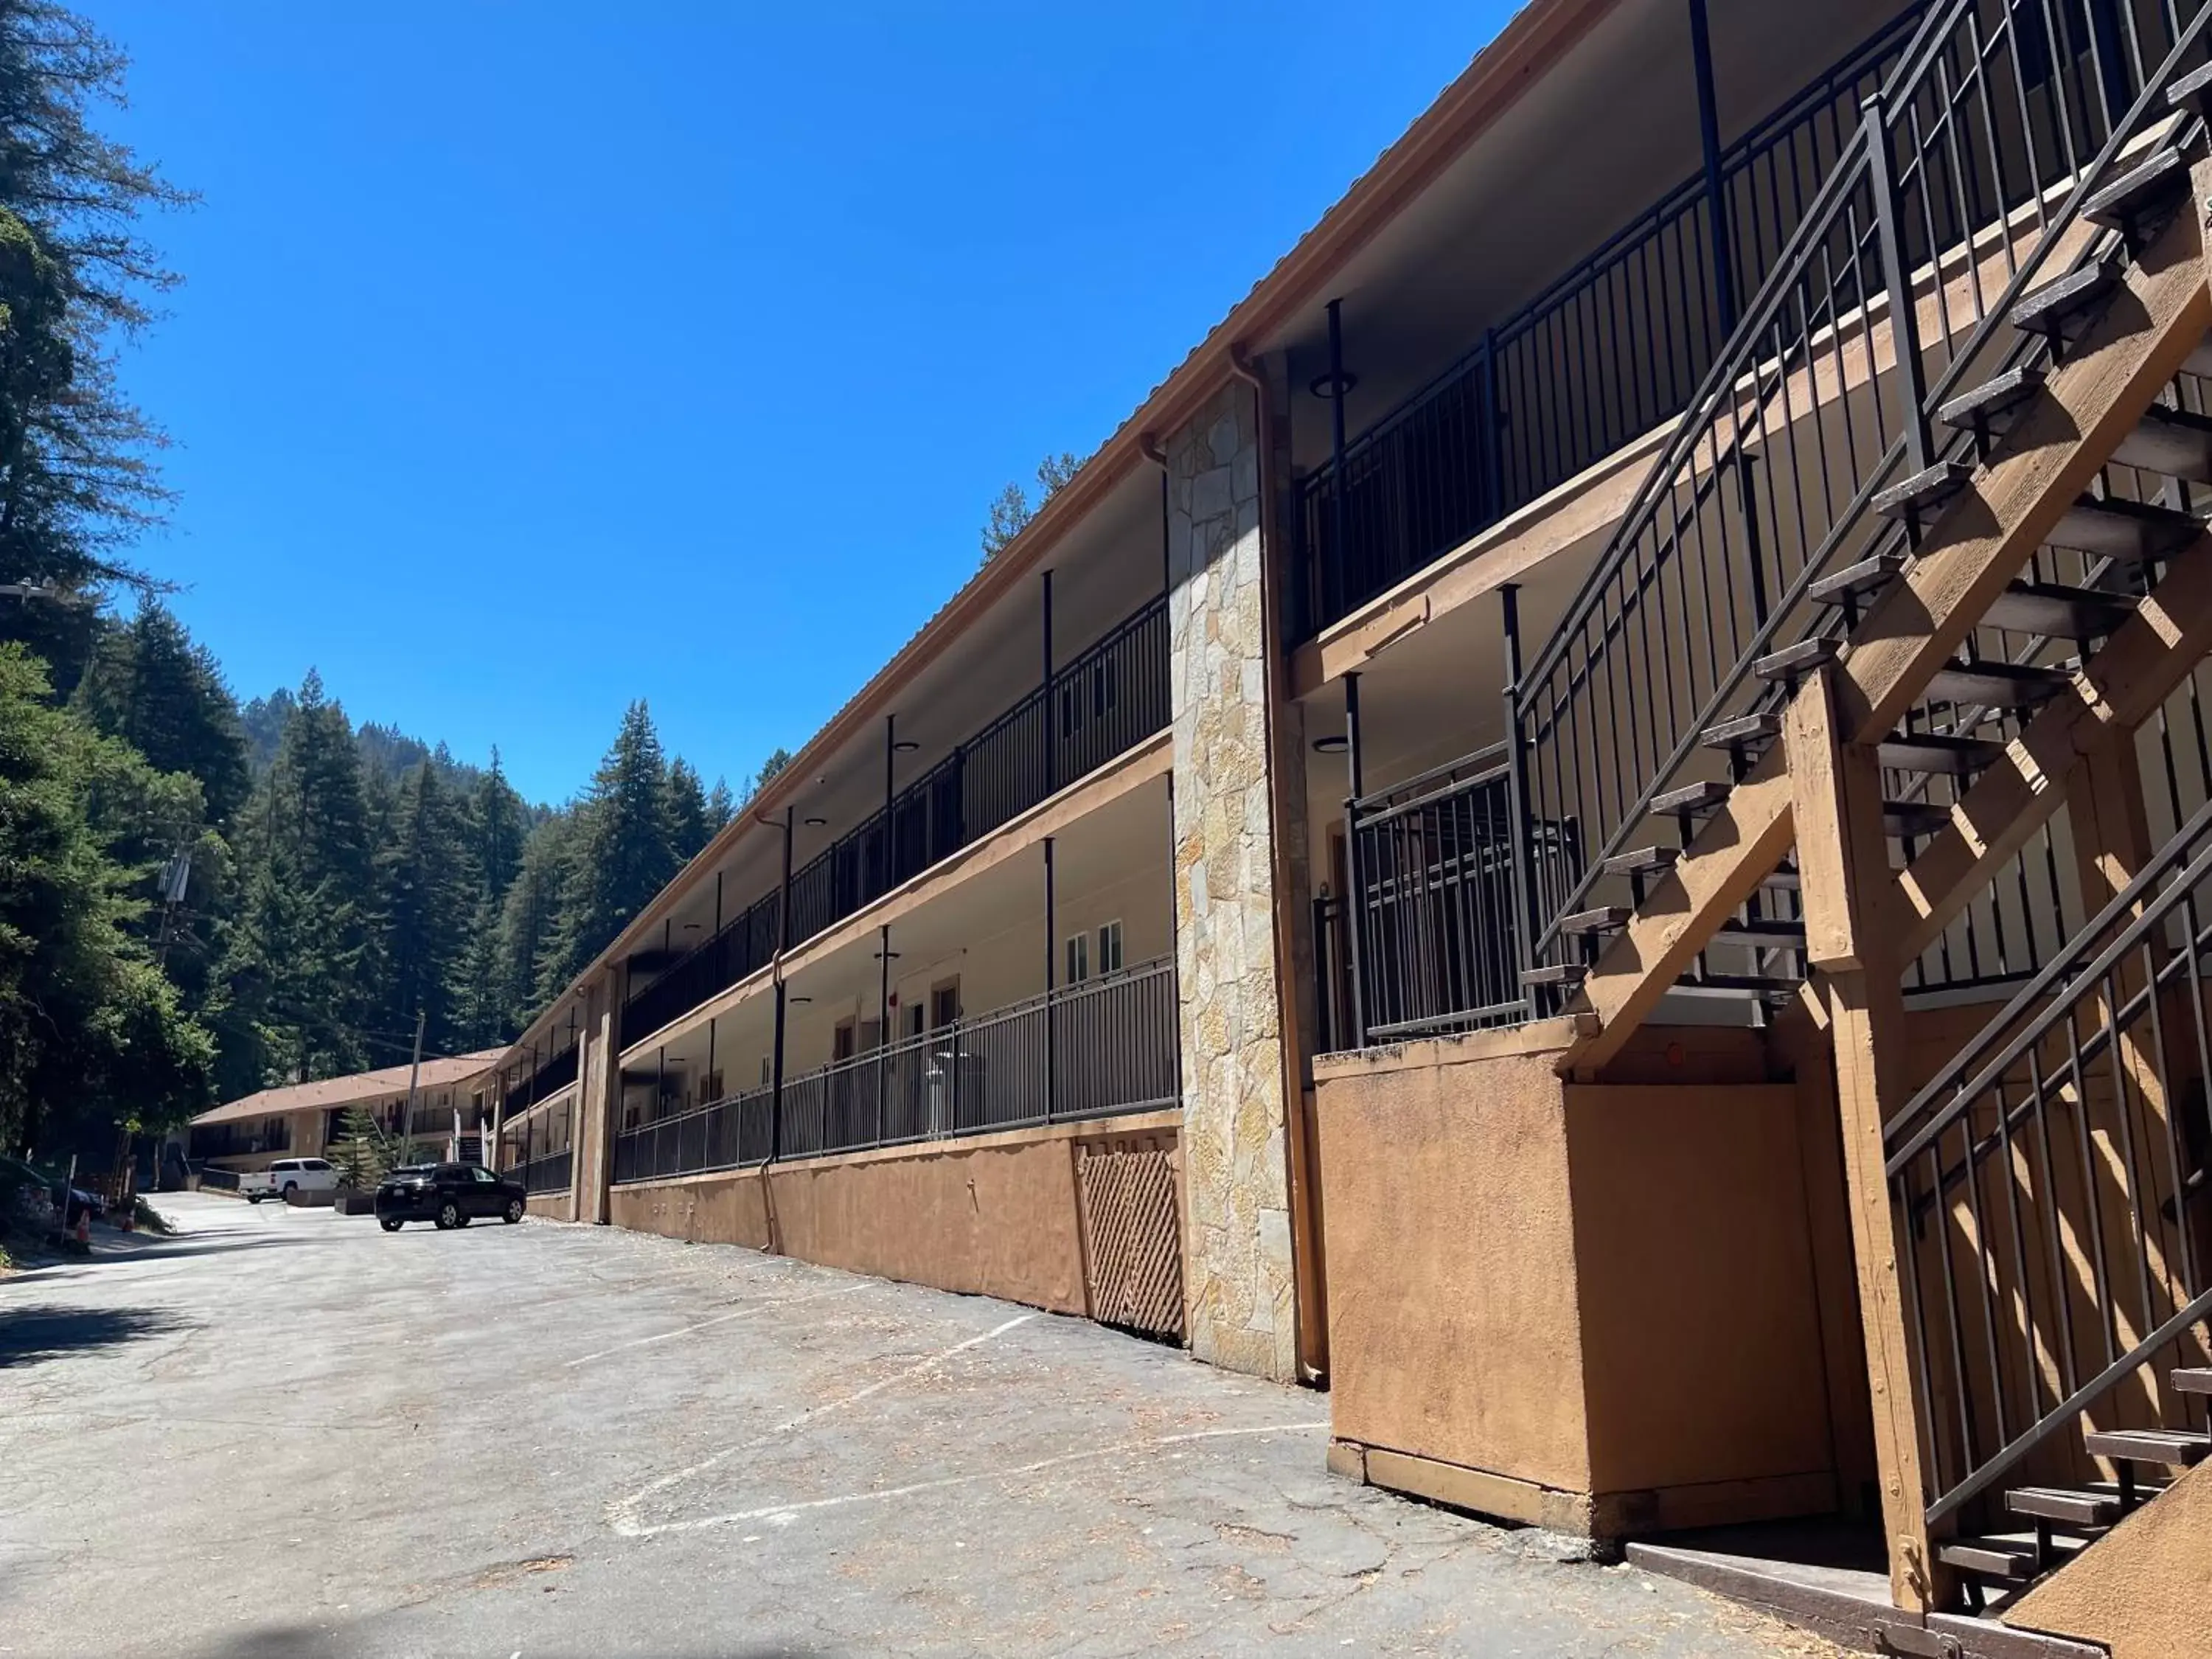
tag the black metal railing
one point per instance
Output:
(1981, 148)
(536, 1148)
(725, 1134)
(548, 1174)
(1111, 698)
(2044, 1189)
(1610, 351)
(1106, 1046)
(739, 950)
(548, 1078)
(1431, 884)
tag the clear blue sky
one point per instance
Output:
(505, 326)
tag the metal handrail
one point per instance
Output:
(1728, 420)
(1643, 238)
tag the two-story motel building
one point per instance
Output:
(1589, 828)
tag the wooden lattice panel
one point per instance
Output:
(1134, 1226)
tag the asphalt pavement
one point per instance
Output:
(285, 1432)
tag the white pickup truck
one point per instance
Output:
(288, 1176)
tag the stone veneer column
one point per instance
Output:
(599, 1095)
(1237, 1273)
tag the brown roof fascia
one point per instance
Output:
(1539, 35)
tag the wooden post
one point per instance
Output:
(1842, 861)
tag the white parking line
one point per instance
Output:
(622, 1515)
(719, 1319)
(786, 1512)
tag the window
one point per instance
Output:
(482, 1176)
(1110, 948)
(314, 1163)
(1078, 958)
(944, 1004)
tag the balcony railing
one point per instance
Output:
(548, 1174)
(536, 1148)
(555, 1074)
(1104, 1047)
(1429, 939)
(1613, 349)
(1106, 702)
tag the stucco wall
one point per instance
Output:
(554, 1206)
(1599, 1290)
(1238, 1264)
(2144, 1590)
(1454, 1333)
(996, 1215)
(1700, 1317)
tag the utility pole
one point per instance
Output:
(414, 1071)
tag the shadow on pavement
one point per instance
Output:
(29, 1336)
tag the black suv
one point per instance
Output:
(448, 1195)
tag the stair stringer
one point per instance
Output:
(1977, 544)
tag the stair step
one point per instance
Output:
(2057, 611)
(1979, 410)
(1996, 684)
(2175, 1447)
(1765, 986)
(1606, 919)
(2193, 91)
(2074, 1506)
(1568, 974)
(1763, 932)
(1937, 753)
(1990, 1558)
(1706, 797)
(1741, 731)
(1643, 861)
(1857, 581)
(2062, 309)
(2194, 1379)
(1925, 492)
(1802, 658)
(2169, 441)
(2116, 529)
(2143, 194)
(1914, 818)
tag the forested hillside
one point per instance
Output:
(198, 900)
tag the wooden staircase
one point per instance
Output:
(2028, 544)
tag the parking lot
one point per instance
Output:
(283, 1431)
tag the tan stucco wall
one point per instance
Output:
(716, 1209)
(1601, 1290)
(993, 1221)
(2144, 1590)
(1700, 1324)
(554, 1206)
(996, 1215)
(1454, 1333)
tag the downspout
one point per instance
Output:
(1308, 1264)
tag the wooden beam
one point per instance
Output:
(2112, 693)
(1737, 849)
(1843, 862)
(1988, 533)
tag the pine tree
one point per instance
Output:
(721, 807)
(688, 828)
(311, 914)
(150, 685)
(497, 825)
(621, 854)
(525, 945)
(422, 884)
